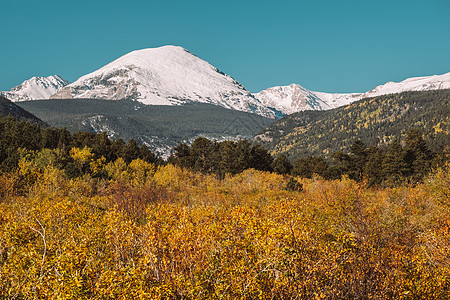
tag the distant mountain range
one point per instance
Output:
(295, 98)
(171, 75)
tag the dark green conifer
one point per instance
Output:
(282, 165)
(394, 165)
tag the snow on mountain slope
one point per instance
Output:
(334, 100)
(290, 99)
(426, 83)
(293, 98)
(35, 88)
(171, 75)
(168, 75)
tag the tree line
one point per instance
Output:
(221, 158)
(402, 161)
(406, 161)
(16, 135)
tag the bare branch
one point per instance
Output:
(42, 233)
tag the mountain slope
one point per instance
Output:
(35, 88)
(161, 127)
(167, 75)
(294, 98)
(376, 121)
(7, 108)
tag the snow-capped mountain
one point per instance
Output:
(294, 98)
(168, 75)
(35, 88)
(171, 75)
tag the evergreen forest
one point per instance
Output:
(161, 127)
(377, 121)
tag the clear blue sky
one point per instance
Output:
(332, 46)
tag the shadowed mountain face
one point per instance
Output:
(161, 127)
(7, 108)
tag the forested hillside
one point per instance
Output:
(375, 121)
(405, 161)
(7, 108)
(160, 127)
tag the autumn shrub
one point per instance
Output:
(133, 200)
(294, 185)
(9, 186)
(169, 233)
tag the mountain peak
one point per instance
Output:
(36, 88)
(291, 98)
(168, 75)
(152, 57)
(150, 53)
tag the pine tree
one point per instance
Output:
(358, 159)
(306, 167)
(372, 168)
(260, 159)
(131, 151)
(147, 155)
(394, 164)
(200, 153)
(117, 148)
(282, 165)
(418, 156)
(342, 163)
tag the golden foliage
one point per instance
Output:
(82, 157)
(159, 233)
